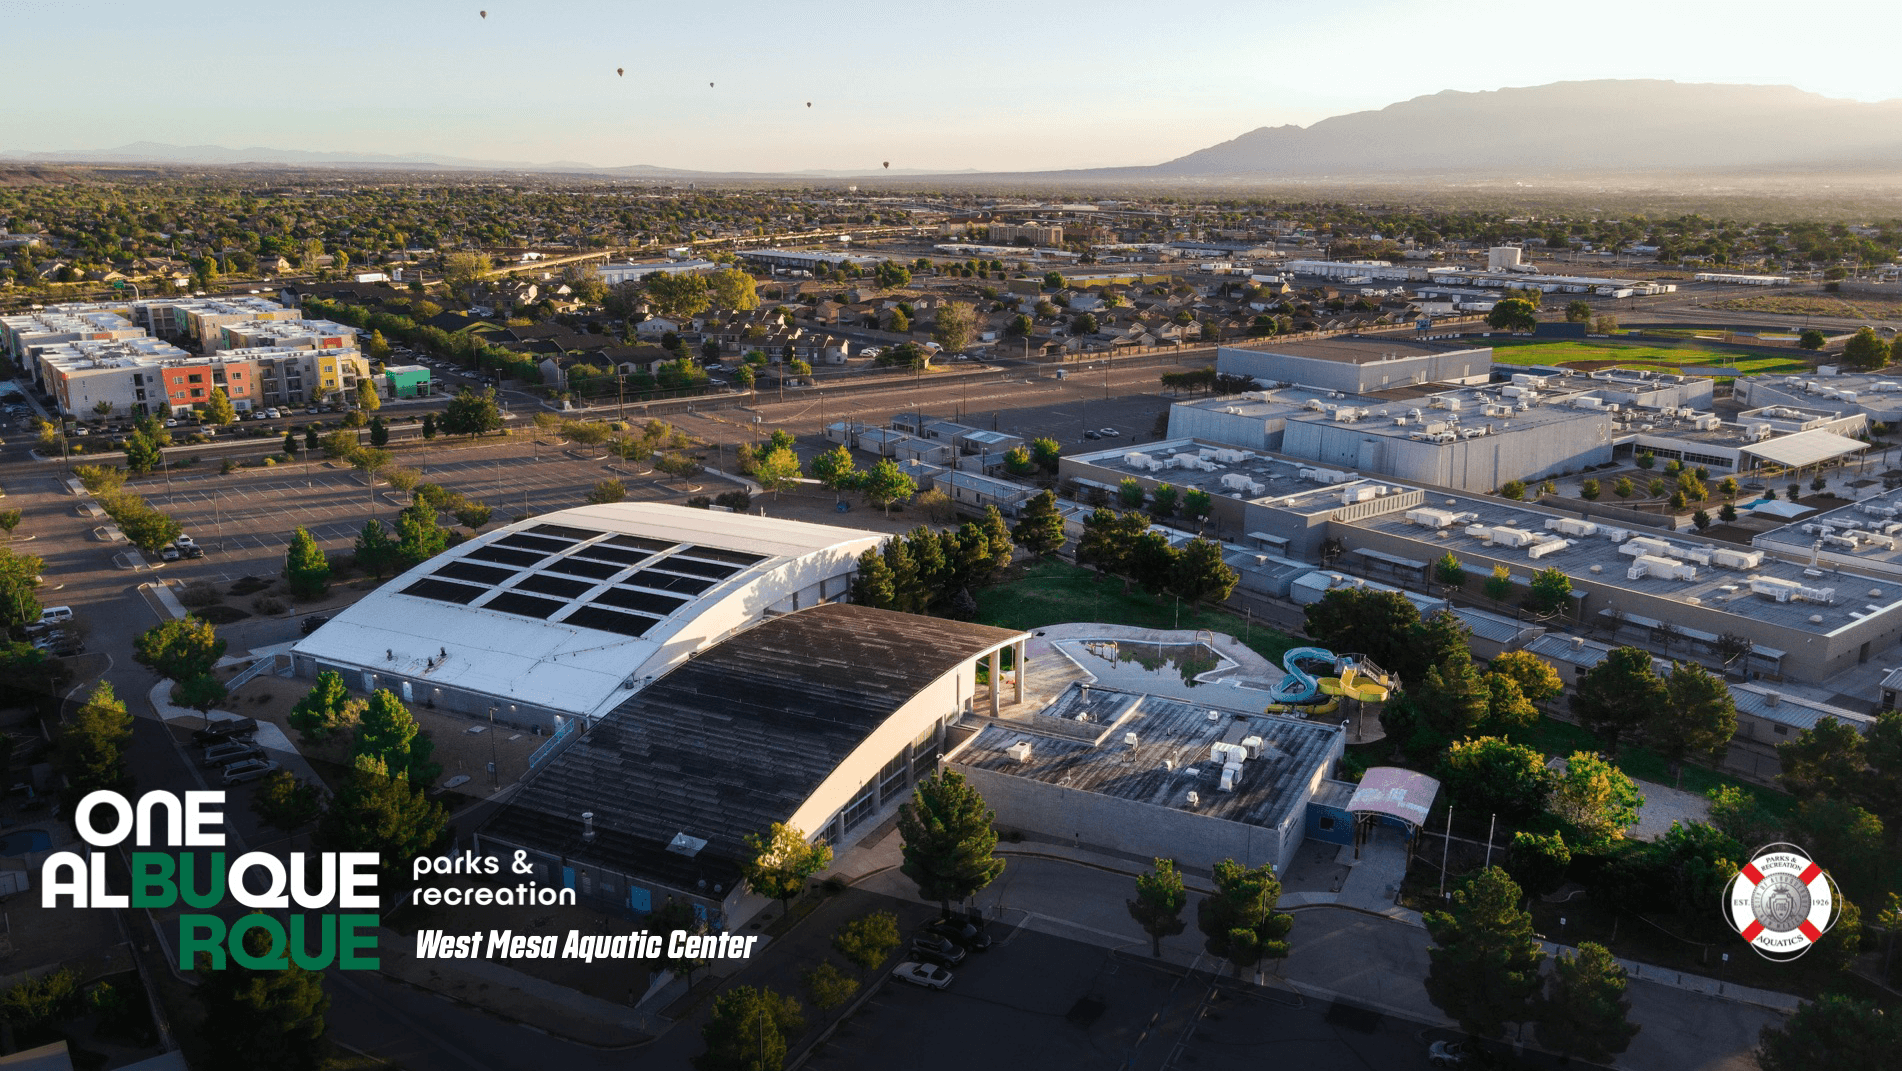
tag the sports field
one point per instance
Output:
(1589, 354)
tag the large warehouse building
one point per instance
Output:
(822, 719)
(1358, 365)
(565, 615)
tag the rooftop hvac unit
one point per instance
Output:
(1454, 405)
(1503, 535)
(1877, 509)
(1228, 754)
(1020, 751)
(1790, 591)
(1130, 739)
(1642, 545)
(1351, 495)
(1254, 744)
(1193, 799)
(1571, 526)
(1708, 422)
(1663, 568)
(1231, 774)
(1586, 401)
(1540, 550)
(1432, 518)
(1136, 459)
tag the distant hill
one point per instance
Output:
(153, 152)
(1596, 127)
(1610, 125)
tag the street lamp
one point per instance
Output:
(495, 774)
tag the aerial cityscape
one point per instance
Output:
(575, 538)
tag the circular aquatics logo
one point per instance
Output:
(1782, 902)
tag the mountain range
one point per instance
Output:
(1622, 125)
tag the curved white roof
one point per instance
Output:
(570, 610)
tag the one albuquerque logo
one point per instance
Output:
(160, 880)
(1782, 902)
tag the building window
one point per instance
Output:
(891, 779)
(196, 378)
(1780, 730)
(858, 810)
(1327, 821)
(198, 392)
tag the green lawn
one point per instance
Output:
(1057, 593)
(1567, 351)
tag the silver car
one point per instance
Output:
(248, 770)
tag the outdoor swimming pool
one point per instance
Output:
(24, 842)
(1135, 666)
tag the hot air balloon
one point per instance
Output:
(709, 85)
(484, 14)
(622, 71)
(808, 104)
(888, 164)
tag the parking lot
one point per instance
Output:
(1054, 1004)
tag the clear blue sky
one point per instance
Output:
(974, 84)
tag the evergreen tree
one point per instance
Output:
(1039, 526)
(1377, 624)
(1199, 574)
(218, 408)
(1619, 695)
(1453, 698)
(287, 803)
(1485, 957)
(376, 552)
(778, 864)
(1584, 1011)
(419, 536)
(1698, 718)
(1152, 562)
(379, 432)
(872, 584)
(270, 1017)
(290, 444)
(1833, 1031)
(429, 426)
(374, 812)
(1239, 918)
(305, 568)
(909, 594)
(1108, 538)
(999, 546)
(1157, 908)
(1828, 760)
(387, 731)
(1538, 862)
(950, 839)
(310, 437)
(933, 569)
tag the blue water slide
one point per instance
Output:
(1300, 686)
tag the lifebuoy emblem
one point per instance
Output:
(1782, 902)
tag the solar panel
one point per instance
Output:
(582, 567)
(732, 557)
(678, 564)
(610, 621)
(645, 601)
(477, 574)
(525, 605)
(443, 591)
(641, 543)
(506, 556)
(613, 554)
(686, 585)
(560, 532)
(528, 542)
(552, 585)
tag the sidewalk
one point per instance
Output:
(269, 737)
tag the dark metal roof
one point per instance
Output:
(734, 740)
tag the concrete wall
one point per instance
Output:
(1480, 464)
(1192, 840)
(1235, 429)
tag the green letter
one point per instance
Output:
(327, 943)
(350, 940)
(190, 944)
(272, 959)
(152, 880)
(211, 897)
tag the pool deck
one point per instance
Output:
(1050, 670)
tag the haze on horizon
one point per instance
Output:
(986, 84)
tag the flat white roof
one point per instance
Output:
(563, 610)
(1805, 448)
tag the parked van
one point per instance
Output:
(54, 615)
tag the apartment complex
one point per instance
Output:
(97, 360)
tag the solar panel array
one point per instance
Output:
(541, 572)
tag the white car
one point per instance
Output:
(184, 541)
(925, 974)
(1109, 433)
(248, 770)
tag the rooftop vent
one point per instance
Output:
(682, 844)
(1130, 739)
(1020, 751)
(1194, 798)
(587, 826)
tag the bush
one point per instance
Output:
(199, 594)
(739, 501)
(267, 604)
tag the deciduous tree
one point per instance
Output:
(750, 1028)
(1595, 800)
(179, 649)
(1697, 720)
(778, 863)
(262, 1016)
(1618, 696)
